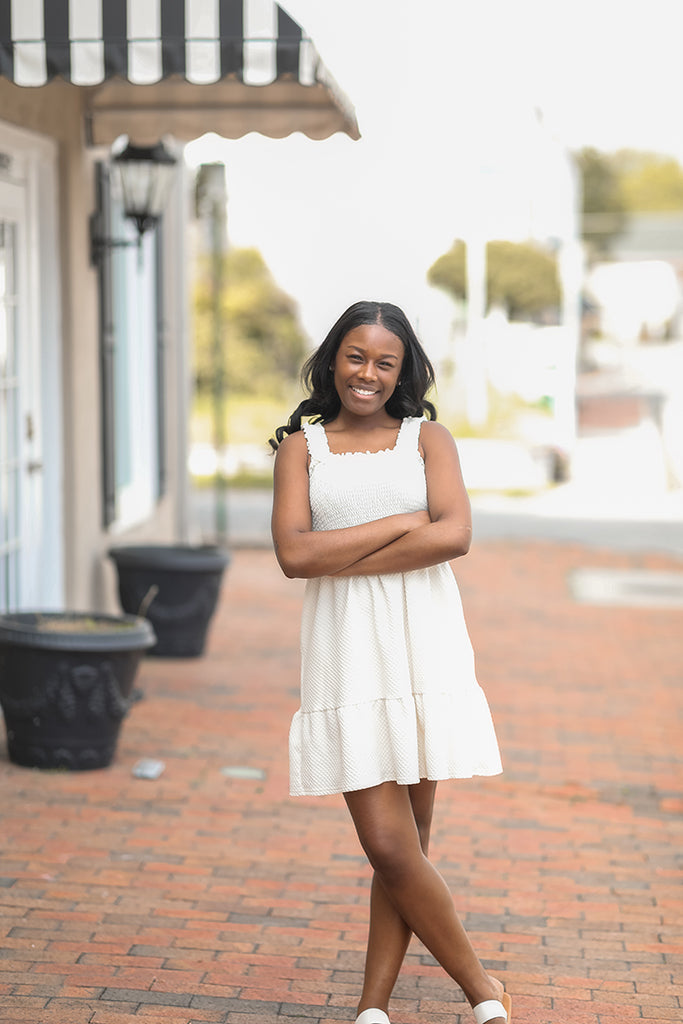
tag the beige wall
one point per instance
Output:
(56, 111)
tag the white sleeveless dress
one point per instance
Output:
(388, 686)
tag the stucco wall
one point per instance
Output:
(56, 111)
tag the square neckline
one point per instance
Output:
(359, 451)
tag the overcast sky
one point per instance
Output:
(448, 95)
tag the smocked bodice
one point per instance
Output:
(357, 487)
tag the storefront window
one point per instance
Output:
(132, 368)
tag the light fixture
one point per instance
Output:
(144, 175)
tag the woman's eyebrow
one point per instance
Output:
(361, 352)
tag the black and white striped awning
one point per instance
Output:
(183, 67)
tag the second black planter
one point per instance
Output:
(176, 587)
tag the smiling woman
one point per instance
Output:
(369, 507)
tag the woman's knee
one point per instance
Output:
(386, 825)
(391, 853)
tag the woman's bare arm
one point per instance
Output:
(303, 552)
(448, 533)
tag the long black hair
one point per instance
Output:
(323, 403)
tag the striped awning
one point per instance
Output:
(183, 67)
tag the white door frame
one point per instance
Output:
(28, 167)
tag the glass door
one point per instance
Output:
(20, 462)
(10, 517)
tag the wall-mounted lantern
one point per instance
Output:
(145, 176)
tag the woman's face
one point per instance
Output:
(367, 368)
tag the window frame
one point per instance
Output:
(102, 228)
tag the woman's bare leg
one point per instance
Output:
(385, 823)
(389, 935)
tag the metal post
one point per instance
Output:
(571, 273)
(212, 209)
(476, 396)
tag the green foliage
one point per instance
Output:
(627, 182)
(262, 344)
(248, 419)
(649, 182)
(603, 209)
(449, 271)
(520, 276)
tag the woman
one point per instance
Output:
(369, 507)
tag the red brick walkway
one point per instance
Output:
(205, 898)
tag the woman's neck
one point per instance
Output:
(362, 434)
(347, 423)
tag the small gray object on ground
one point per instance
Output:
(148, 768)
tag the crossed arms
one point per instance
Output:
(396, 543)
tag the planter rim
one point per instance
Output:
(22, 629)
(171, 557)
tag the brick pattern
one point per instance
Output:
(203, 898)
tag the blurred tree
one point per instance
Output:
(264, 344)
(649, 182)
(616, 185)
(520, 276)
(603, 209)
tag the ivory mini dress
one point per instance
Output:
(388, 684)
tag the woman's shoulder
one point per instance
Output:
(434, 432)
(292, 444)
(291, 460)
(436, 441)
(309, 444)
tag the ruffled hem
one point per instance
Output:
(403, 740)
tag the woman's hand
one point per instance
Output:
(443, 533)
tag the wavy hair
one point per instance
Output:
(323, 402)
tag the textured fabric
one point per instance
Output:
(388, 685)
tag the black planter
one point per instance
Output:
(176, 586)
(65, 685)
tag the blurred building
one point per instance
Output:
(93, 340)
(639, 290)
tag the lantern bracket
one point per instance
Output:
(145, 176)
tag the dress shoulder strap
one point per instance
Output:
(409, 433)
(316, 440)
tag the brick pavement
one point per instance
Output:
(202, 897)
